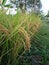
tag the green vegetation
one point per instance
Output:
(24, 40)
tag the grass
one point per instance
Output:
(41, 43)
(15, 35)
(23, 40)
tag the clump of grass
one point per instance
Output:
(16, 32)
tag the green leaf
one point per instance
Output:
(4, 1)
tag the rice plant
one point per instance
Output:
(15, 36)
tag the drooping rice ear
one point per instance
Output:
(27, 44)
(3, 29)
